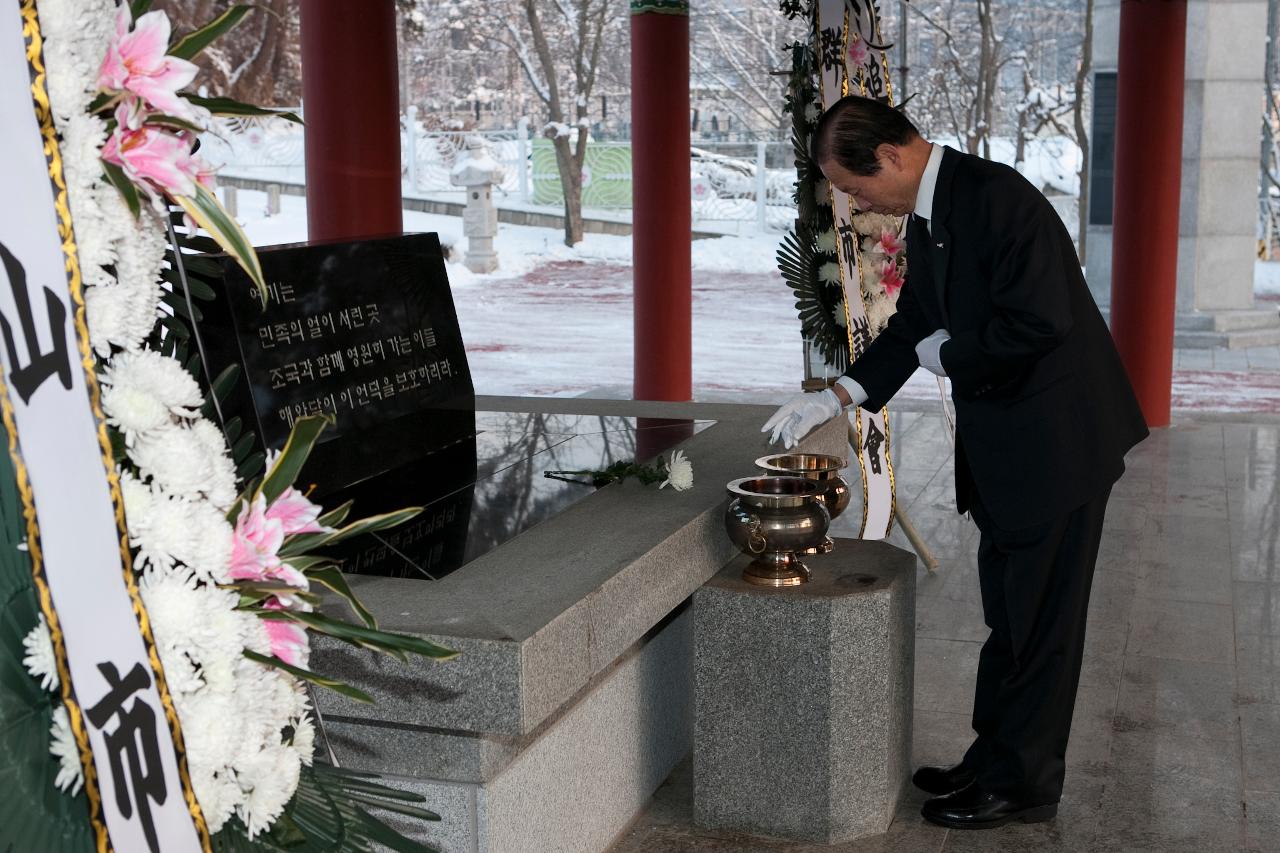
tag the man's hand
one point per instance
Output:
(929, 351)
(800, 414)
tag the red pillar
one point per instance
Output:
(350, 103)
(1144, 267)
(662, 218)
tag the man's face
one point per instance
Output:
(889, 190)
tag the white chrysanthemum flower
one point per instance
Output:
(822, 191)
(62, 746)
(878, 313)
(138, 499)
(148, 372)
(841, 320)
(39, 659)
(826, 241)
(166, 533)
(829, 273)
(180, 461)
(679, 472)
(811, 112)
(133, 411)
(304, 739)
(218, 794)
(271, 777)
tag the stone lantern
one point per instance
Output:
(477, 172)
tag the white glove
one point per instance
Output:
(929, 351)
(800, 414)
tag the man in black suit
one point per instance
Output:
(995, 301)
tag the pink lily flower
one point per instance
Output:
(153, 155)
(858, 52)
(295, 513)
(255, 548)
(890, 243)
(890, 278)
(289, 641)
(136, 63)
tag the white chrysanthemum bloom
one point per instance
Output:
(133, 411)
(165, 533)
(871, 273)
(189, 617)
(271, 778)
(39, 658)
(180, 461)
(304, 739)
(879, 311)
(138, 499)
(159, 376)
(829, 273)
(811, 112)
(218, 794)
(62, 746)
(822, 191)
(826, 241)
(679, 472)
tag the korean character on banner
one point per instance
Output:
(402, 381)
(371, 312)
(266, 337)
(322, 366)
(388, 389)
(434, 367)
(314, 329)
(425, 337)
(307, 370)
(296, 332)
(400, 344)
(326, 321)
(375, 389)
(445, 367)
(277, 378)
(362, 395)
(366, 353)
(285, 415)
(281, 332)
(347, 398)
(338, 364)
(376, 349)
(329, 404)
(357, 317)
(291, 373)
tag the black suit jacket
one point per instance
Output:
(1044, 409)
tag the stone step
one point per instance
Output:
(1241, 339)
(1229, 321)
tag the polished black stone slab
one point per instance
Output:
(364, 331)
(484, 491)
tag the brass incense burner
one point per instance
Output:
(772, 519)
(820, 468)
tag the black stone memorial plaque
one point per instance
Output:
(363, 331)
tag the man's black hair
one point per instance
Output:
(851, 130)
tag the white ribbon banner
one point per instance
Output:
(112, 684)
(871, 431)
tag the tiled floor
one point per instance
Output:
(1176, 740)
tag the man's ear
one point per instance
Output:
(887, 153)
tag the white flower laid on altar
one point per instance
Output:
(679, 472)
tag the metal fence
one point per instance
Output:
(734, 186)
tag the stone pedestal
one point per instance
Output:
(477, 172)
(803, 697)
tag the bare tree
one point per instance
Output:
(259, 61)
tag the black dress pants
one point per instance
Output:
(1035, 599)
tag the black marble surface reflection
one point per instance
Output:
(484, 491)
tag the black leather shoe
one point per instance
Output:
(942, 780)
(973, 807)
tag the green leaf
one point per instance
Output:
(139, 8)
(224, 382)
(335, 517)
(232, 429)
(229, 107)
(306, 432)
(198, 269)
(210, 215)
(176, 326)
(250, 466)
(178, 302)
(243, 446)
(286, 832)
(194, 42)
(118, 179)
(172, 121)
(102, 101)
(336, 581)
(311, 541)
(312, 677)
(366, 637)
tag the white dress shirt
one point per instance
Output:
(924, 210)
